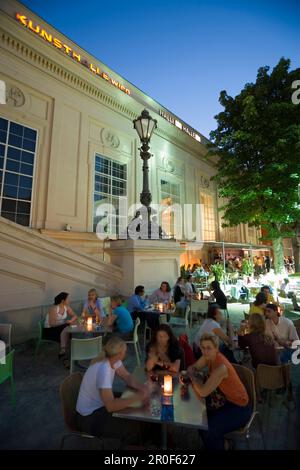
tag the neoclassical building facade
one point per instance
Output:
(67, 144)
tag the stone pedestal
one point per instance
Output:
(145, 262)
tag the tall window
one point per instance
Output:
(170, 195)
(17, 155)
(209, 219)
(110, 184)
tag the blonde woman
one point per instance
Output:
(96, 402)
(93, 307)
(260, 344)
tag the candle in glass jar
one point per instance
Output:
(160, 307)
(89, 323)
(168, 385)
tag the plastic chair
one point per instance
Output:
(163, 319)
(135, 342)
(247, 378)
(84, 349)
(5, 334)
(183, 322)
(273, 378)
(6, 373)
(147, 329)
(199, 307)
(40, 338)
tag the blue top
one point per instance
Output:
(136, 303)
(124, 321)
(99, 306)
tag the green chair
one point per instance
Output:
(125, 303)
(40, 338)
(135, 342)
(84, 349)
(6, 372)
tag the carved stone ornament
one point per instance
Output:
(204, 182)
(14, 96)
(110, 139)
(168, 165)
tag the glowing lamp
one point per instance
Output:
(160, 307)
(89, 323)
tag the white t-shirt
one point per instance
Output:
(98, 376)
(207, 327)
(285, 330)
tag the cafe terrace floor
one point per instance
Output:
(37, 423)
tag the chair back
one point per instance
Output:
(163, 318)
(6, 366)
(69, 390)
(199, 306)
(135, 331)
(296, 325)
(85, 348)
(105, 303)
(187, 314)
(5, 334)
(273, 377)
(247, 378)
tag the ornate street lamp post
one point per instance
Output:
(145, 125)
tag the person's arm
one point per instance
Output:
(200, 364)
(152, 360)
(174, 366)
(292, 334)
(73, 316)
(109, 319)
(113, 404)
(129, 379)
(212, 382)
(220, 333)
(52, 316)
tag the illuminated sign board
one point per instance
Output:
(173, 120)
(60, 45)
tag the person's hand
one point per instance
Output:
(143, 396)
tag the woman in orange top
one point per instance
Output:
(234, 410)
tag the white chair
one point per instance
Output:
(84, 349)
(163, 319)
(147, 329)
(199, 307)
(5, 334)
(135, 342)
(183, 322)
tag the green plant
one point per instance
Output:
(218, 271)
(247, 267)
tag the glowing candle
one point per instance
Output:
(160, 307)
(168, 385)
(89, 323)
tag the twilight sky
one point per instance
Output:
(182, 52)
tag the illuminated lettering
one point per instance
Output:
(36, 29)
(46, 36)
(67, 48)
(57, 43)
(76, 56)
(114, 82)
(92, 68)
(105, 76)
(22, 19)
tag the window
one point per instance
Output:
(17, 155)
(209, 220)
(170, 194)
(110, 184)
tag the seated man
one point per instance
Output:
(120, 318)
(137, 302)
(282, 330)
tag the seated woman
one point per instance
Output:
(261, 345)
(96, 402)
(93, 307)
(163, 294)
(219, 295)
(259, 304)
(56, 321)
(163, 352)
(120, 318)
(212, 326)
(282, 330)
(236, 409)
(270, 298)
(179, 296)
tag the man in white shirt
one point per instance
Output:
(190, 290)
(282, 330)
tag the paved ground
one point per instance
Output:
(36, 422)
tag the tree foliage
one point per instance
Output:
(258, 144)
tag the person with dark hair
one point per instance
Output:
(267, 291)
(212, 326)
(56, 321)
(163, 352)
(219, 295)
(137, 302)
(282, 330)
(163, 294)
(259, 304)
(179, 293)
(120, 318)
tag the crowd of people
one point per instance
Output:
(266, 334)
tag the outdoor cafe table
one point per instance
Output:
(189, 411)
(151, 316)
(83, 330)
